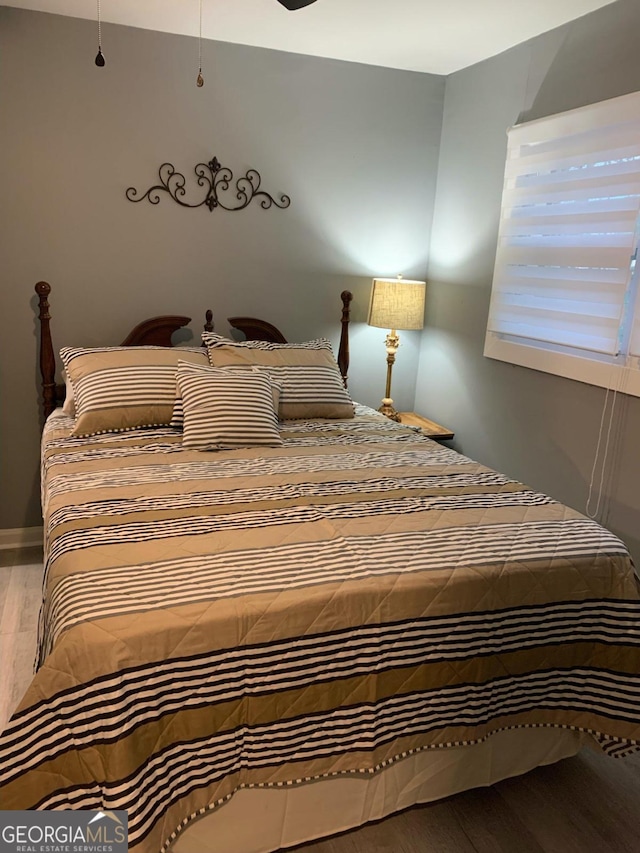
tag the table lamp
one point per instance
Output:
(396, 303)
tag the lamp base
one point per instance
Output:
(387, 409)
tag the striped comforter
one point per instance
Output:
(258, 617)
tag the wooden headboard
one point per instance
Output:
(158, 331)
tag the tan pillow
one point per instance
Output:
(312, 385)
(120, 388)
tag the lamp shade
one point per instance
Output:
(397, 303)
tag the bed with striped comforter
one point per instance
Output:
(258, 617)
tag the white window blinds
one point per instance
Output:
(563, 277)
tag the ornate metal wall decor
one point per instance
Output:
(217, 180)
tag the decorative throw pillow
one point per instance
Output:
(177, 418)
(225, 409)
(312, 386)
(121, 388)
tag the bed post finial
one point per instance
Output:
(343, 351)
(208, 325)
(47, 356)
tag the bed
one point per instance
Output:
(252, 647)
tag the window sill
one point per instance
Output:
(625, 379)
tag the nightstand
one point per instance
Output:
(430, 428)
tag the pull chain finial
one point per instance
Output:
(99, 57)
(200, 78)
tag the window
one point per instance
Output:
(565, 291)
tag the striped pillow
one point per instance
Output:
(121, 388)
(225, 409)
(177, 418)
(312, 386)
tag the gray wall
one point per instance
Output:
(355, 147)
(533, 426)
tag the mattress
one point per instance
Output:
(262, 618)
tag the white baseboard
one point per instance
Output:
(20, 537)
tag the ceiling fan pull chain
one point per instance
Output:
(99, 57)
(200, 78)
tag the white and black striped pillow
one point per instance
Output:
(121, 388)
(177, 418)
(226, 409)
(312, 386)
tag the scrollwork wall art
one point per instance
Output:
(216, 179)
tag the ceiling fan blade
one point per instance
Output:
(292, 5)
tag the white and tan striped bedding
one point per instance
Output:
(261, 617)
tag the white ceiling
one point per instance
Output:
(438, 36)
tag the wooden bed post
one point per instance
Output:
(208, 326)
(343, 351)
(47, 356)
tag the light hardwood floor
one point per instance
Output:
(586, 804)
(20, 596)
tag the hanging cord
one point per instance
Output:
(621, 384)
(99, 57)
(200, 78)
(593, 513)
